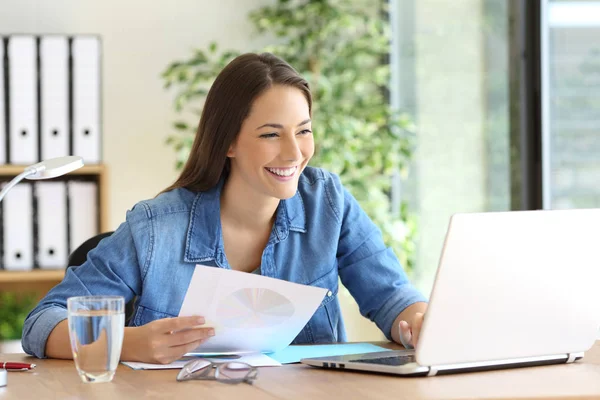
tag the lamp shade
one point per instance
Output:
(45, 170)
(55, 167)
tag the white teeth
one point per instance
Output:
(283, 172)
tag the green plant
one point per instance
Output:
(340, 47)
(13, 310)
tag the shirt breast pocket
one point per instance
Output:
(324, 324)
(144, 315)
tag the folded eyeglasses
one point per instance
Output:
(227, 372)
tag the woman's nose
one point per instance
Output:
(290, 150)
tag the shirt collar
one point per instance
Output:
(204, 238)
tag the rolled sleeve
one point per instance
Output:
(370, 270)
(403, 297)
(44, 321)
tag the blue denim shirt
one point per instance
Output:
(319, 235)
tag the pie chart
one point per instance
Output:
(250, 308)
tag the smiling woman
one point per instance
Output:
(246, 200)
(254, 97)
(267, 159)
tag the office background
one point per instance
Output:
(453, 78)
(138, 40)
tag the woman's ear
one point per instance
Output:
(231, 151)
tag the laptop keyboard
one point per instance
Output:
(393, 360)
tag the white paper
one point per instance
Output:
(255, 359)
(250, 313)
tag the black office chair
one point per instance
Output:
(79, 256)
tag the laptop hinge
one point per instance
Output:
(432, 371)
(572, 357)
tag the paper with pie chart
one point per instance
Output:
(250, 313)
(251, 308)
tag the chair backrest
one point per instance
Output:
(79, 255)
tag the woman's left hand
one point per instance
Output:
(410, 330)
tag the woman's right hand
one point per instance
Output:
(164, 340)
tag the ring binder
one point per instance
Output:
(23, 130)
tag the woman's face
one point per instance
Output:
(274, 144)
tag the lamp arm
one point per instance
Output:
(17, 179)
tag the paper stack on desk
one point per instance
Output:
(256, 360)
(289, 355)
(250, 313)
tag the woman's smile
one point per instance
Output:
(282, 174)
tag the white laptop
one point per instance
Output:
(513, 289)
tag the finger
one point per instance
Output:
(179, 351)
(405, 334)
(416, 328)
(189, 336)
(180, 323)
(170, 354)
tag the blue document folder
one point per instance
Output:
(293, 354)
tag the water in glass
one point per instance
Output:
(96, 332)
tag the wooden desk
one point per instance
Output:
(57, 379)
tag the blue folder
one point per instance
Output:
(293, 354)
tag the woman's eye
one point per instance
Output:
(305, 132)
(268, 135)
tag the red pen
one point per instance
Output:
(16, 366)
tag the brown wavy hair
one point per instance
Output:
(227, 105)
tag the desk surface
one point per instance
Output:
(58, 379)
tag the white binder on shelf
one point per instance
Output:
(22, 87)
(85, 51)
(83, 212)
(3, 132)
(52, 224)
(54, 84)
(18, 228)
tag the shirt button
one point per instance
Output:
(329, 294)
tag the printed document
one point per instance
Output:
(250, 313)
(256, 360)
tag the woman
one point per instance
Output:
(245, 200)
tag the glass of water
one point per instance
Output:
(96, 326)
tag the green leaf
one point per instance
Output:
(13, 310)
(181, 126)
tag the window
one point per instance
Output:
(451, 74)
(571, 104)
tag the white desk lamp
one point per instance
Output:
(46, 170)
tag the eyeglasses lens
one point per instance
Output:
(193, 369)
(233, 371)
